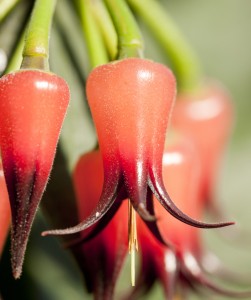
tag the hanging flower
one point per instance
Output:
(102, 257)
(206, 118)
(33, 105)
(131, 102)
(179, 269)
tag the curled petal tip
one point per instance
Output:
(178, 214)
(161, 194)
(96, 215)
(75, 229)
(145, 214)
(224, 224)
(53, 232)
(218, 225)
(199, 224)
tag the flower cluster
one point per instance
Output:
(151, 178)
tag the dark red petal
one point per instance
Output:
(152, 225)
(25, 192)
(143, 212)
(102, 257)
(106, 201)
(33, 105)
(98, 227)
(157, 186)
(135, 178)
(170, 270)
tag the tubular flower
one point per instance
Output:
(178, 269)
(131, 102)
(33, 105)
(4, 209)
(206, 118)
(102, 257)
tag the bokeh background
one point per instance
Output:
(219, 32)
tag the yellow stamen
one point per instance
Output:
(132, 239)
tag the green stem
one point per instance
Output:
(36, 48)
(185, 62)
(16, 58)
(106, 27)
(95, 45)
(5, 8)
(130, 42)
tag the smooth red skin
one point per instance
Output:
(33, 106)
(102, 257)
(130, 101)
(181, 173)
(4, 210)
(206, 118)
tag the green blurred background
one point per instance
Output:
(219, 31)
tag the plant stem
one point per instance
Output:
(95, 45)
(16, 58)
(36, 48)
(106, 27)
(185, 62)
(130, 42)
(69, 34)
(5, 7)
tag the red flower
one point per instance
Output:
(131, 101)
(206, 118)
(33, 105)
(102, 257)
(180, 267)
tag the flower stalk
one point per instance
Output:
(106, 27)
(95, 44)
(130, 42)
(183, 59)
(36, 48)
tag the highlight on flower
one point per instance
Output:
(131, 101)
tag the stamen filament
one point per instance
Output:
(132, 239)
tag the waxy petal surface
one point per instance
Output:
(102, 257)
(180, 266)
(33, 105)
(131, 102)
